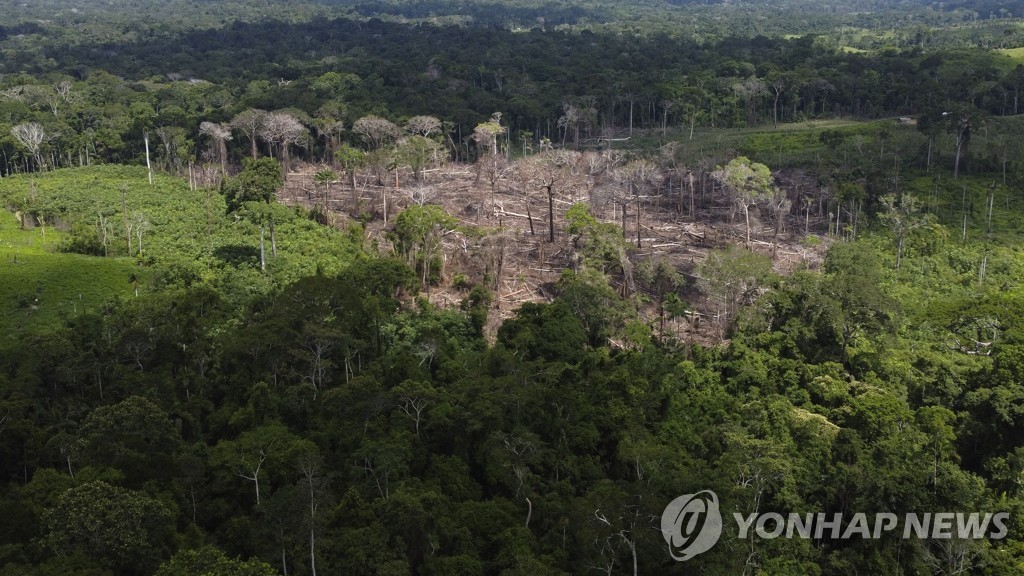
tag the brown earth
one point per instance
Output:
(523, 265)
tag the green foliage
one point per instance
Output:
(487, 135)
(733, 277)
(551, 332)
(826, 317)
(416, 152)
(133, 436)
(349, 157)
(39, 287)
(188, 241)
(209, 561)
(120, 529)
(594, 303)
(417, 235)
(316, 410)
(601, 243)
(751, 180)
(257, 182)
(477, 304)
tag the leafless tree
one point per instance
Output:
(598, 165)
(310, 464)
(283, 130)
(492, 167)
(52, 98)
(421, 193)
(779, 206)
(13, 94)
(547, 171)
(751, 90)
(638, 178)
(32, 136)
(220, 134)
(138, 225)
(666, 106)
(570, 120)
(63, 89)
(376, 131)
(950, 556)
(249, 122)
(423, 125)
(59, 95)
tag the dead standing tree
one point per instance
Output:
(32, 136)
(220, 134)
(492, 167)
(377, 133)
(249, 122)
(425, 126)
(639, 178)
(547, 171)
(283, 130)
(519, 184)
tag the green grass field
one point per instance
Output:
(763, 143)
(189, 241)
(39, 286)
(1017, 54)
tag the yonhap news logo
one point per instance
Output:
(692, 524)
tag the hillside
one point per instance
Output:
(447, 288)
(41, 288)
(88, 231)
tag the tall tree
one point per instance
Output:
(418, 231)
(252, 192)
(425, 126)
(32, 136)
(324, 178)
(417, 151)
(750, 183)
(351, 159)
(493, 167)
(284, 130)
(962, 121)
(487, 134)
(134, 436)
(220, 134)
(249, 122)
(123, 530)
(258, 454)
(329, 124)
(776, 83)
(639, 179)
(547, 170)
(375, 131)
(902, 215)
(731, 278)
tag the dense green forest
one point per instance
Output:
(459, 288)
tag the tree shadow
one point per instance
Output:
(235, 254)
